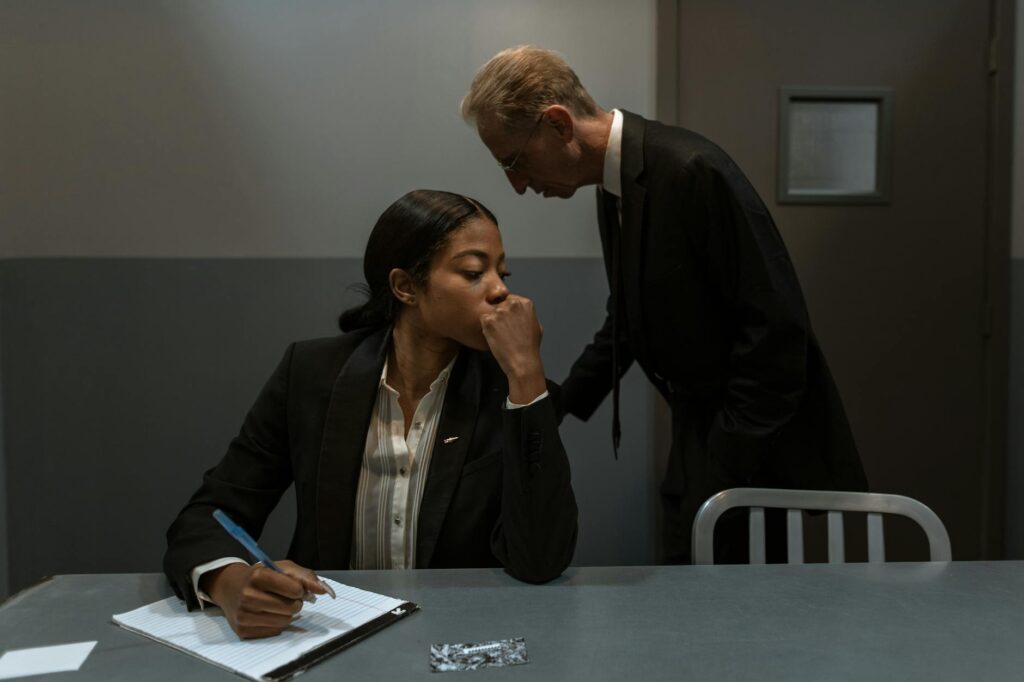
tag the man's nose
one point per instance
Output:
(518, 182)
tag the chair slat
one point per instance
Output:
(874, 505)
(876, 538)
(794, 536)
(836, 540)
(756, 535)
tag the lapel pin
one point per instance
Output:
(450, 439)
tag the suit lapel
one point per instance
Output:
(341, 452)
(633, 228)
(451, 443)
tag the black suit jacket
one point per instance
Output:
(713, 313)
(498, 494)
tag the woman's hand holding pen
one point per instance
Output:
(258, 601)
(513, 334)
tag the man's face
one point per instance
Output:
(539, 158)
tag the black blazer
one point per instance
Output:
(499, 494)
(713, 313)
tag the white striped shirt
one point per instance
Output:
(393, 476)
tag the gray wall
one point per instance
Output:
(258, 128)
(188, 186)
(1015, 465)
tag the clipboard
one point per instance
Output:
(321, 630)
(343, 642)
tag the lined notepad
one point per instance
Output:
(321, 629)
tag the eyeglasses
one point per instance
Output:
(511, 166)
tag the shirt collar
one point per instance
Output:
(442, 376)
(613, 157)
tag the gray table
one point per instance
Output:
(943, 621)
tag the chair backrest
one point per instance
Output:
(795, 502)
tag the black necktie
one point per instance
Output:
(611, 213)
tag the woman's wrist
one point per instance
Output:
(213, 582)
(526, 382)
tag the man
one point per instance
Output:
(703, 294)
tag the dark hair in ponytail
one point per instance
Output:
(407, 236)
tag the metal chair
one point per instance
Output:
(795, 502)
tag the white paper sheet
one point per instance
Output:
(44, 659)
(206, 634)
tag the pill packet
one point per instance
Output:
(468, 656)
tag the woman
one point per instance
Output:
(422, 437)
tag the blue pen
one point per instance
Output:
(238, 533)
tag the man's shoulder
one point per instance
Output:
(657, 133)
(680, 145)
(677, 155)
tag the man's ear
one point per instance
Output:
(560, 118)
(402, 286)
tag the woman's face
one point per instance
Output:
(466, 281)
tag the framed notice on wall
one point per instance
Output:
(835, 145)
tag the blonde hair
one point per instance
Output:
(518, 84)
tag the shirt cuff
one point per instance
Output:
(199, 570)
(509, 405)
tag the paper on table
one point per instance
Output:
(44, 659)
(206, 634)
